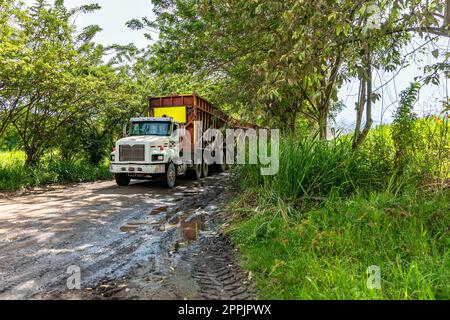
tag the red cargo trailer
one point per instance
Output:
(187, 109)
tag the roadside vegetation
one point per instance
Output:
(61, 103)
(15, 175)
(324, 252)
(313, 230)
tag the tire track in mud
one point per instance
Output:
(217, 273)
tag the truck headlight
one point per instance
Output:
(157, 157)
(113, 157)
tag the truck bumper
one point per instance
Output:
(137, 168)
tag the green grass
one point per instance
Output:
(8, 158)
(13, 174)
(432, 147)
(312, 230)
(324, 253)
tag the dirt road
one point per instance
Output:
(135, 242)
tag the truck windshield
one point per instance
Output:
(152, 128)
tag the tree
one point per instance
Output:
(55, 82)
(269, 54)
(278, 58)
(14, 60)
(53, 90)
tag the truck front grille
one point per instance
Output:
(132, 152)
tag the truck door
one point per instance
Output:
(174, 142)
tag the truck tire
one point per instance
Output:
(196, 173)
(205, 170)
(222, 167)
(170, 177)
(122, 179)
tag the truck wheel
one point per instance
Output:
(122, 179)
(170, 177)
(205, 169)
(222, 167)
(196, 173)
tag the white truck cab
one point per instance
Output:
(151, 149)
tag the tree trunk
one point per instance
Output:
(32, 157)
(324, 106)
(369, 120)
(365, 99)
(323, 125)
(359, 110)
(447, 14)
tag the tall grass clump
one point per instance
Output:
(311, 169)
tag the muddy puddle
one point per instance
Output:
(191, 226)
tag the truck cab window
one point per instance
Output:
(151, 128)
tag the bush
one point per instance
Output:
(10, 140)
(429, 164)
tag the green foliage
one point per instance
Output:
(96, 148)
(324, 253)
(277, 61)
(315, 169)
(10, 140)
(428, 163)
(403, 131)
(14, 175)
(433, 156)
(312, 230)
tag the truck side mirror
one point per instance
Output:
(125, 131)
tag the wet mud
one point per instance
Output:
(136, 242)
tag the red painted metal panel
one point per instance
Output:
(198, 109)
